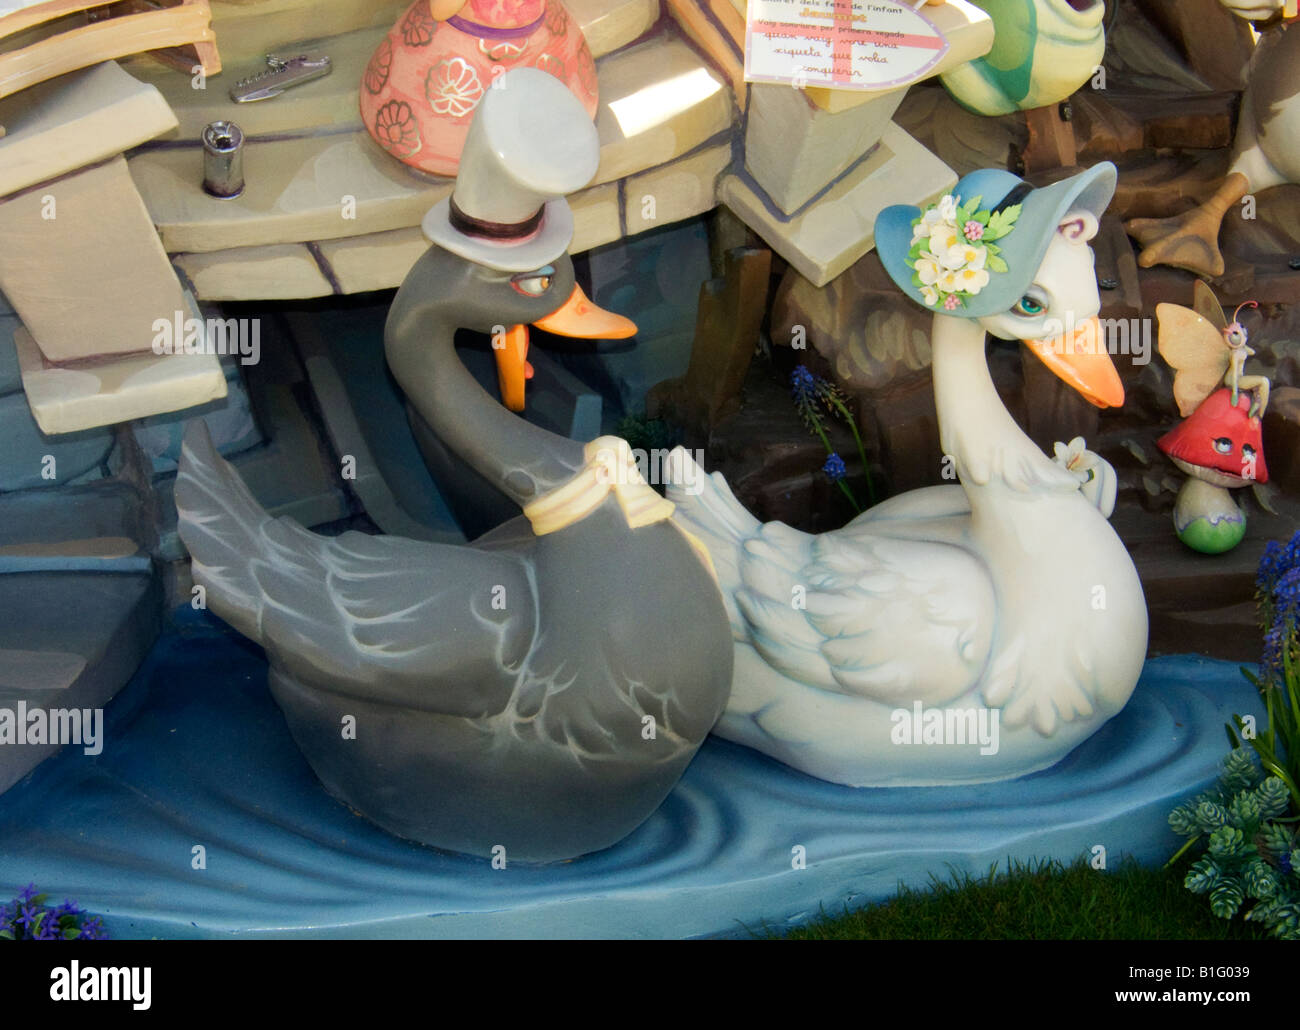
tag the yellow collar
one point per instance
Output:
(610, 465)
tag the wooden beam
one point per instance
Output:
(102, 39)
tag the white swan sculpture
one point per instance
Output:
(954, 634)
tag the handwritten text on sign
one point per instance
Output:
(846, 44)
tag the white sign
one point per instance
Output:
(841, 44)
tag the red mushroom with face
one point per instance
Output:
(1220, 447)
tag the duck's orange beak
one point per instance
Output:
(1081, 360)
(577, 317)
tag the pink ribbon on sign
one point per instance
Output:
(842, 36)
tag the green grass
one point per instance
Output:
(1038, 901)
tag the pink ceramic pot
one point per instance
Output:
(426, 78)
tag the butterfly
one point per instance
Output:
(1206, 350)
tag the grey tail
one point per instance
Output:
(223, 527)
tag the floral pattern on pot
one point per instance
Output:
(396, 129)
(453, 87)
(419, 25)
(953, 251)
(376, 77)
(503, 50)
(550, 63)
(557, 19)
(441, 70)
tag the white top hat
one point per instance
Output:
(531, 142)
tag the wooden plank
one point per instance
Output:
(104, 40)
(40, 13)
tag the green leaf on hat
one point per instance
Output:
(996, 264)
(1004, 221)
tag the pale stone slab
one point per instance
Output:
(611, 24)
(82, 265)
(247, 29)
(348, 31)
(65, 399)
(67, 123)
(595, 217)
(658, 101)
(295, 190)
(374, 261)
(793, 148)
(839, 228)
(682, 189)
(329, 103)
(281, 272)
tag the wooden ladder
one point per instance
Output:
(48, 39)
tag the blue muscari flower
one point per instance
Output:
(1270, 564)
(803, 384)
(1286, 596)
(835, 468)
(1271, 662)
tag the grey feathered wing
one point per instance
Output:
(427, 626)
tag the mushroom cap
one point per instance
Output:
(1219, 439)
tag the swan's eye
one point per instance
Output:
(533, 284)
(1223, 445)
(1029, 307)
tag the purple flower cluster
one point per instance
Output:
(803, 384)
(1277, 593)
(28, 918)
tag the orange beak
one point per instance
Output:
(577, 317)
(1080, 359)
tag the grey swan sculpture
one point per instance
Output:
(541, 689)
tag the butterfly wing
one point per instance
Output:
(1207, 305)
(1195, 350)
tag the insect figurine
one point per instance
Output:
(1206, 350)
(1220, 444)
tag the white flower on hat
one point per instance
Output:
(928, 269)
(922, 229)
(952, 253)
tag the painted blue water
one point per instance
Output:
(197, 754)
